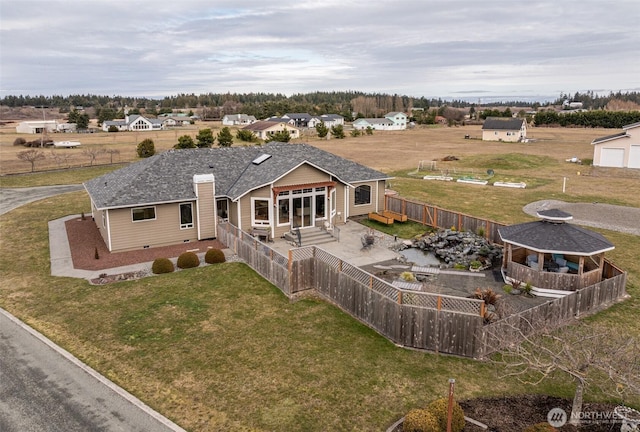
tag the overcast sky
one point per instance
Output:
(451, 49)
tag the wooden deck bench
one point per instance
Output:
(381, 218)
(395, 216)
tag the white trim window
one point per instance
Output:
(260, 211)
(186, 215)
(362, 195)
(141, 214)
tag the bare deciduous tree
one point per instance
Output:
(111, 153)
(61, 158)
(92, 153)
(31, 156)
(592, 355)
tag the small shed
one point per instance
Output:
(553, 254)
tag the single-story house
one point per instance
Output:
(134, 123)
(266, 129)
(176, 121)
(37, 126)
(238, 120)
(504, 129)
(180, 195)
(66, 127)
(621, 150)
(391, 121)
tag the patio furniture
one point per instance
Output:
(562, 262)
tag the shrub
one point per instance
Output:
(146, 148)
(188, 260)
(162, 265)
(507, 288)
(420, 420)
(439, 409)
(19, 142)
(113, 128)
(407, 277)
(541, 427)
(214, 256)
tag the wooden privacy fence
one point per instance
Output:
(434, 322)
(437, 217)
(420, 320)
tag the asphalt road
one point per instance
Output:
(11, 198)
(46, 389)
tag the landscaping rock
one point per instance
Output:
(458, 247)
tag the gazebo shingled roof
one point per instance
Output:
(552, 234)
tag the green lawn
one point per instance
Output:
(218, 348)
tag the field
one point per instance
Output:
(219, 348)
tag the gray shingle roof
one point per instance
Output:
(551, 237)
(610, 137)
(168, 176)
(502, 123)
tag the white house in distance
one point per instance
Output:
(266, 129)
(37, 126)
(621, 150)
(134, 123)
(391, 121)
(504, 129)
(238, 120)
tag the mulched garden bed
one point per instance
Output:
(516, 413)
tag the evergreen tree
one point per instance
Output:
(322, 130)
(185, 142)
(146, 148)
(225, 139)
(205, 138)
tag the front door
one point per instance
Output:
(302, 212)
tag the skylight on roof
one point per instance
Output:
(263, 157)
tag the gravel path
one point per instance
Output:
(597, 215)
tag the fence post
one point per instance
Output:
(399, 297)
(439, 303)
(290, 267)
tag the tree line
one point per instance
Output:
(595, 119)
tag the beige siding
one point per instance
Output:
(233, 213)
(206, 210)
(340, 204)
(493, 135)
(99, 216)
(164, 230)
(303, 174)
(356, 210)
(245, 205)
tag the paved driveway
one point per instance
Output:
(11, 198)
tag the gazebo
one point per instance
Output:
(552, 254)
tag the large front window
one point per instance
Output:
(143, 213)
(260, 214)
(300, 208)
(363, 195)
(186, 215)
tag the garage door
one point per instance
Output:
(634, 156)
(612, 157)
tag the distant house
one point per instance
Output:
(238, 120)
(391, 121)
(266, 129)
(134, 123)
(66, 127)
(331, 120)
(37, 126)
(176, 121)
(621, 150)
(441, 120)
(275, 187)
(504, 129)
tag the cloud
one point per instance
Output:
(413, 47)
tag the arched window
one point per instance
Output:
(363, 195)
